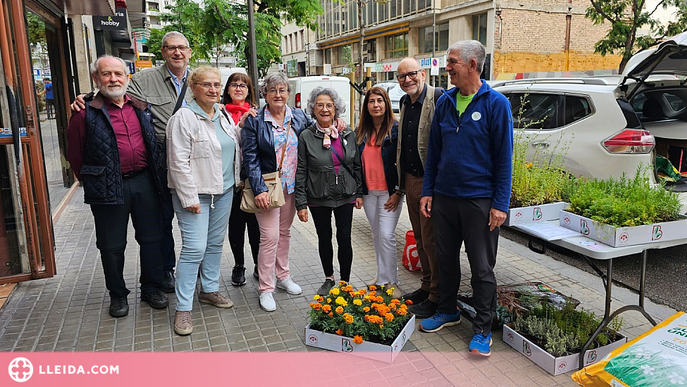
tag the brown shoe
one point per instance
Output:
(182, 323)
(215, 299)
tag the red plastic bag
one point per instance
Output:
(411, 260)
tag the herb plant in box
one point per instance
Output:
(625, 211)
(360, 322)
(540, 180)
(553, 337)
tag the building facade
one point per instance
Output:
(522, 36)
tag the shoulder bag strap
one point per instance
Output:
(283, 149)
(343, 163)
(180, 99)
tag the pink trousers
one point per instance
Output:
(275, 239)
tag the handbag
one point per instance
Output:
(272, 180)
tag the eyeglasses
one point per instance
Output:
(280, 91)
(174, 48)
(328, 106)
(207, 85)
(242, 86)
(411, 74)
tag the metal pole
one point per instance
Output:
(253, 62)
(434, 38)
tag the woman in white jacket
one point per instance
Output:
(204, 160)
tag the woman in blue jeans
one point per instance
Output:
(204, 160)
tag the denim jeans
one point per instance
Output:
(202, 238)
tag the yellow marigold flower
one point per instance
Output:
(528, 165)
(390, 291)
(316, 297)
(341, 301)
(338, 310)
(357, 339)
(339, 331)
(348, 319)
(327, 308)
(329, 300)
(366, 309)
(334, 291)
(389, 317)
(366, 298)
(357, 302)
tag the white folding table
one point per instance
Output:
(551, 232)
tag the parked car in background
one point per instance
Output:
(607, 126)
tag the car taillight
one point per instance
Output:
(630, 141)
(298, 100)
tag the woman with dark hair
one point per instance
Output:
(239, 100)
(377, 136)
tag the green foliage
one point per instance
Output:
(541, 177)
(36, 29)
(626, 17)
(375, 316)
(624, 202)
(564, 331)
(218, 22)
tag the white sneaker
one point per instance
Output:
(267, 302)
(290, 286)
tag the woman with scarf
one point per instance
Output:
(329, 180)
(239, 100)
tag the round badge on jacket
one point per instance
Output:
(476, 116)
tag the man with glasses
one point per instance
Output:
(417, 111)
(161, 88)
(467, 187)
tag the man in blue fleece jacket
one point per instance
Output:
(466, 189)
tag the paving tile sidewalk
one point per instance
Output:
(69, 312)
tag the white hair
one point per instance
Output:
(96, 65)
(470, 49)
(339, 104)
(173, 34)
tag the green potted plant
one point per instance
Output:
(624, 211)
(539, 180)
(553, 337)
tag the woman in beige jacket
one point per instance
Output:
(204, 160)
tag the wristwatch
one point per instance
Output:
(399, 193)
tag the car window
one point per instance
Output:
(535, 110)
(576, 108)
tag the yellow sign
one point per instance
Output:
(144, 64)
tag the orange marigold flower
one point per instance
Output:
(339, 331)
(381, 326)
(404, 307)
(401, 312)
(312, 304)
(362, 291)
(373, 293)
(348, 319)
(396, 301)
(327, 308)
(389, 317)
(317, 306)
(357, 339)
(409, 302)
(366, 309)
(331, 314)
(392, 306)
(342, 283)
(339, 310)
(380, 299)
(373, 287)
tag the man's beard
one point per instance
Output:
(104, 90)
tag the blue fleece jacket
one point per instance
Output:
(471, 156)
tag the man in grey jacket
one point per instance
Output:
(161, 87)
(417, 111)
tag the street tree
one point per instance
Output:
(626, 18)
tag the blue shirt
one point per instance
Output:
(48, 91)
(179, 83)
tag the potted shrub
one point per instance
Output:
(553, 338)
(539, 180)
(371, 324)
(624, 211)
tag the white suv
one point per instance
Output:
(610, 125)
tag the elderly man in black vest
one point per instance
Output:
(113, 152)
